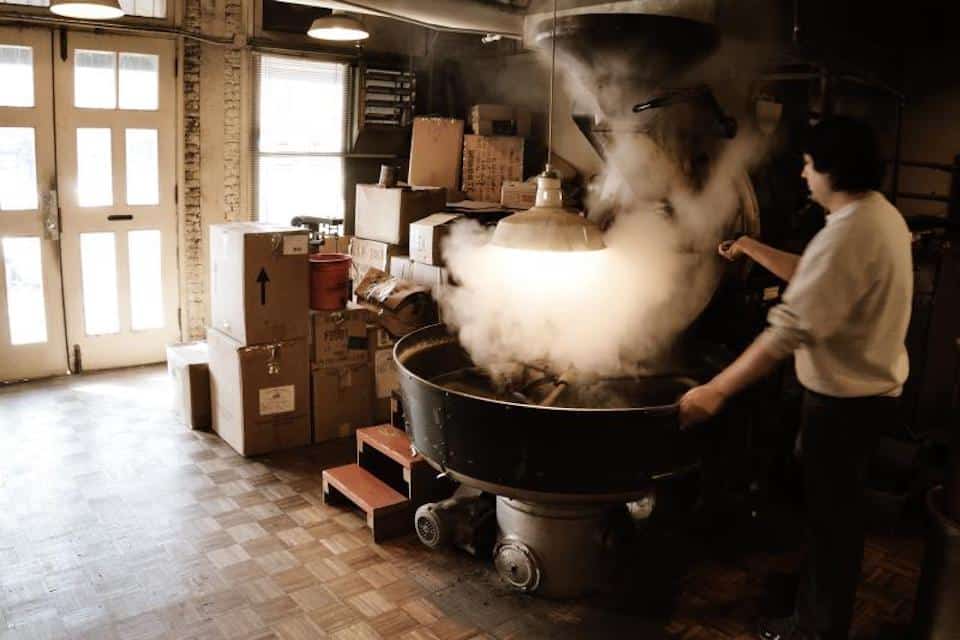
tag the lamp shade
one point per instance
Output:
(338, 26)
(87, 9)
(547, 226)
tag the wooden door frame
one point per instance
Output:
(48, 358)
(127, 347)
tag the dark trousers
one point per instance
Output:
(838, 435)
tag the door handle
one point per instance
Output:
(119, 217)
(51, 216)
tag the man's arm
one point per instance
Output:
(758, 361)
(815, 305)
(780, 263)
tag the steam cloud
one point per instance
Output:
(612, 312)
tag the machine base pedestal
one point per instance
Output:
(558, 550)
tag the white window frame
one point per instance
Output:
(348, 116)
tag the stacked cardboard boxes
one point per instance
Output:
(383, 217)
(386, 379)
(189, 366)
(435, 150)
(257, 341)
(500, 120)
(425, 264)
(383, 214)
(342, 377)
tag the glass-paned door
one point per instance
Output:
(32, 341)
(116, 146)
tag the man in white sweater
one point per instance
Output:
(844, 317)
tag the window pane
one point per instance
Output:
(25, 308)
(299, 186)
(301, 105)
(95, 79)
(18, 169)
(139, 81)
(16, 69)
(144, 8)
(146, 283)
(98, 264)
(94, 168)
(143, 172)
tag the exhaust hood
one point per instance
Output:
(486, 17)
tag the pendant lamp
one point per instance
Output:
(548, 226)
(339, 27)
(87, 9)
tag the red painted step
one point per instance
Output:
(388, 512)
(390, 441)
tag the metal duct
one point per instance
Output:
(703, 11)
(463, 16)
(475, 16)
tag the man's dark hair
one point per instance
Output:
(846, 149)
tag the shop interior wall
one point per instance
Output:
(930, 134)
(218, 123)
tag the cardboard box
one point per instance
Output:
(339, 337)
(518, 195)
(431, 276)
(401, 267)
(488, 162)
(332, 244)
(435, 152)
(385, 214)
(426, 237)
(500, 120)
(342, 400)
(260, 393)
(188, 365)
(386, 378)
(370, 253)
(259, 281)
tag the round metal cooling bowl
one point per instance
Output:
(534, 453)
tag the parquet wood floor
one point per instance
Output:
(118, 523)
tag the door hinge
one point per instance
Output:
(176, 194)
(77, 360)
(176, 66)
(63, 45)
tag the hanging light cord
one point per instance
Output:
(553, 73)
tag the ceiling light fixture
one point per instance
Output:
(548, 226)
(87, 9)
(339, 27)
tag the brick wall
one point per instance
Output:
(213, 146)
(232, 71)
(194, 273)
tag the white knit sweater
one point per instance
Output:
(846, 310)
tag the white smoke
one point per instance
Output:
(611, 312)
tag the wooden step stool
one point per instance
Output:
(387, 483)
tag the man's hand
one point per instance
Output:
(700, 404)
(733, 250)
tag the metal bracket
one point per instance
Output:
(51, 216)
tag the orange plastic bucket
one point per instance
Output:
(329, 281)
